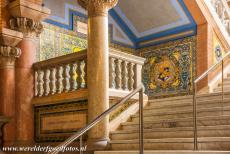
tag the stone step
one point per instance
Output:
(186, 105)
(214, 111)
(206, 143)
(178, 132)
(178, 122)
(200, 97)
(219, 89)
(162, 152)
(226, 82)
(157, 103)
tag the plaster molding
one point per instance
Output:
(98, 7)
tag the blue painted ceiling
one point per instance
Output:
(142, 22)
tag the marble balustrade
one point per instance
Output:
(68, 73)
(222, 9)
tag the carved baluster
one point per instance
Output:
(82, 74)
(131, 76)
(73, 77)
(118, 74)
(36, 83)
(40, 83)
(53, 80)
(112, 74)
(218, 7)
(59, 79)
(85, 73)
(125, 75)
(66, 78)
(47, 82)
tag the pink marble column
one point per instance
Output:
(25, 90)
(8, 54)
(27, 17)
(7, 96)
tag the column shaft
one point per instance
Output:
(98, 74)
(7, 97)
(25, 90)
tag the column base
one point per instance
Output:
(97, 144)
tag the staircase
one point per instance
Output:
(168, 125)
(226, 85)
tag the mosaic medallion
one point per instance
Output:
(164, 73)
(169, 68)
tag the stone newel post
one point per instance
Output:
(98, 66)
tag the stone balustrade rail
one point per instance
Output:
(61, 74)
(68, 73)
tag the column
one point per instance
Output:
(3, 121)
(98, 67)
(26, 18)
(8, 54)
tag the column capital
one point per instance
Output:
(8, 52)
(29, 27)
(97, 7)
(27, 17)
(8, 55)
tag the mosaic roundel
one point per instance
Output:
(164, 73)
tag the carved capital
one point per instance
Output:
(29, 27)
(8, 55)
(97, 7)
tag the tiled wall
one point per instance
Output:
(169, 67)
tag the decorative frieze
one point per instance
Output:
(97, 7)
(29, 27)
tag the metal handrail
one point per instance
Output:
(211, 68)
(221, 61)
(83, 130)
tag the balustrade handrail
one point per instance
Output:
(83, 130)
(83, 54)
(126, 57)
(65, 59)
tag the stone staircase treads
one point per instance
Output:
(180, 122)
(206, 143)
(178, 132)
(168, 125)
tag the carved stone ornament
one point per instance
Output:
(98, 7)
(29, 27)
(8, 55)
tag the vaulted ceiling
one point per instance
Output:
(141, 22)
